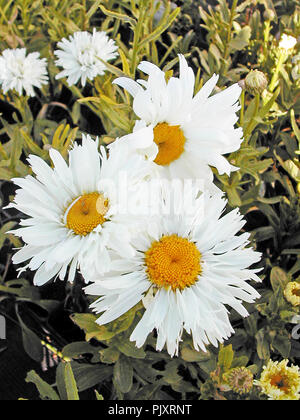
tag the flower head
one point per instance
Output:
(287, 42)
(189, 133)
(239, 379)
(81, 55)
(256, 82)
(20, 72)
(280, 382)
(186, 269)
(74, 215)
(292, 293)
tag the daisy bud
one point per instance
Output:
(47, 147)
(239, 379)
(269, 14)
(255, 82)
(241, 84)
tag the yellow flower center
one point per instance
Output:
(170, 141)
(296, 291)
(86, 213)
(173, 262)
(280, 382)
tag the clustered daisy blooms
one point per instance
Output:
(73, 212)
(193, 265)
(189, 133)
(279, 381)
(22, 72)
(188, 266)
(81, 55)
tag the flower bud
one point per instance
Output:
(269, 14)
(241, 84)
(47, 147)
(255, 82)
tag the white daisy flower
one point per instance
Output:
(187, 270)
(81, 55)
(189, 132)
(287, 42)
(74, 212)
(20, 72)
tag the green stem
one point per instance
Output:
(84, 15)
(266, 38)
(242, 108)
(232, 12)
(274, 79)
(136, 39)
(252, 122)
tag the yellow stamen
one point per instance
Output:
(86, 213)
(173, 262)
(170, 140)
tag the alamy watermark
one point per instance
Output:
(152, 197)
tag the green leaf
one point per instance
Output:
(87, 322)
(87, 376)
(295, 126)
(278, 278)
(191, 355)
(282, 344)
(123, 374)
(71, 387)
(99, 396)
(31, 342)
(60, 381)
(225, 357)
(241, 40)
(263, 347)
(78, 348)
(45, 390)
(160, 29)
(292, 169)
(129, 349)
(120, 16)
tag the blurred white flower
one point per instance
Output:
(287, 42)
(20, 72)
(81, 55)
